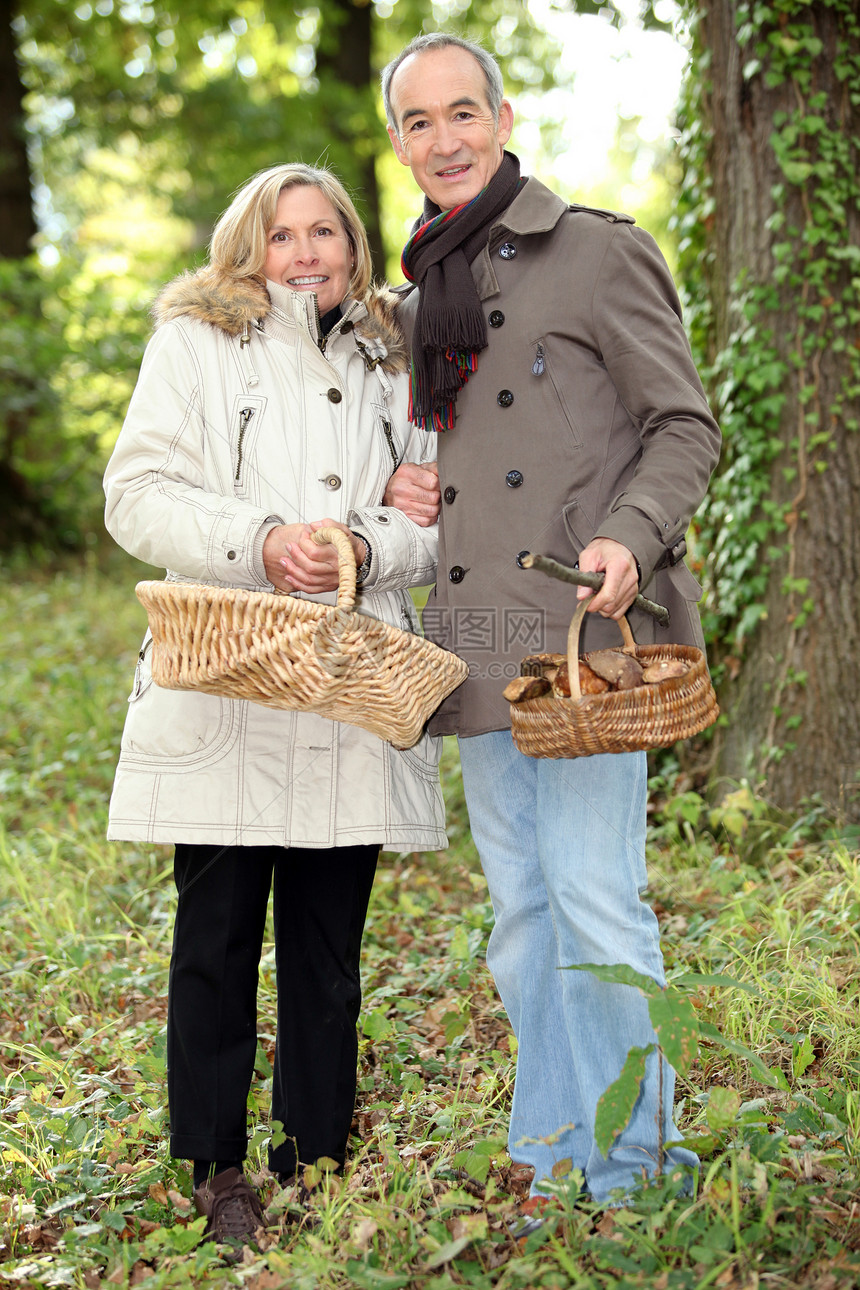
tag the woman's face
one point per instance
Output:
(307, 248)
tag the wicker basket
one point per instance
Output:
(648, 716)
(284, 652)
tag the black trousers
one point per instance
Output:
(319, 905)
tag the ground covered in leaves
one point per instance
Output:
(88, 1194)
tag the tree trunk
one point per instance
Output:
(17, 225)
(784, 160)
(23, 518)
(348, 105)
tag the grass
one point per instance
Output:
(88, 1194)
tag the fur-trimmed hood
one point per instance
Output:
(236, 305)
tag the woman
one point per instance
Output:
(272, 393)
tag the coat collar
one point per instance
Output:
(241, 306)
(535, 209)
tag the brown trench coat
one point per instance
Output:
(586, 417)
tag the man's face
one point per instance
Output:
(445, 133)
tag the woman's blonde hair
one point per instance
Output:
(239, 240)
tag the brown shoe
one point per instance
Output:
(231, 1206)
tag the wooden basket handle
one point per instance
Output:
(573, 645)
(345, 564)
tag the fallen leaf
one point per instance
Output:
(363, 1233)
(606, 1225)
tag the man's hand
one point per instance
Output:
(621, 583)
(414, 490)
(294, 562)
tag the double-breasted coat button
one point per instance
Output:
(332, 482)
(507, 251)
(514, 478)
(496, 318)
(449, 494)
(521, 556)
(334, 396)
(457, 574)
(504, 398)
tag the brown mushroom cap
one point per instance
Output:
(526, 687)
(621, 670)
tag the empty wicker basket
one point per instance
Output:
(648, 716)
(284, 652)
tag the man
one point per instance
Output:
(549, 351)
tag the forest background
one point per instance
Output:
(124, 127)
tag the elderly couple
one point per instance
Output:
(278, 393)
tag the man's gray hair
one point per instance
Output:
(443, 40)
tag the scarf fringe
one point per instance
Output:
(448, 332)
(433, 406)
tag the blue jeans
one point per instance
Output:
(562, 844)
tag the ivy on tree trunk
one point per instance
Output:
(770, 257)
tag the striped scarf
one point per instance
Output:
(449, 324)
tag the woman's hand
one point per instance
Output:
(276, 554)
(306, 565)
(414, 490)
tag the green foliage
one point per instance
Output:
(677, 1028)
(65, 377)
(615, 1106)
(216, 93)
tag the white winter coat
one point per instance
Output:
(239, 422)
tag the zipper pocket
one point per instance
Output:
(388, 430)
(245, 415)
(138, 686)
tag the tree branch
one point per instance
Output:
(544, 564)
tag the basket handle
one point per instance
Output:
(573, 645)
(345, 564)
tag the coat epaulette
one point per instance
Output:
(613, 217)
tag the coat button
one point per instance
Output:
(496, 318)
(347, 327)
(457, 574)
(231, 555)
(504, 398)
(449, 494)
(514, 478)
(507, 251)
(521, 556)
(332, 482)
(334, 396)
